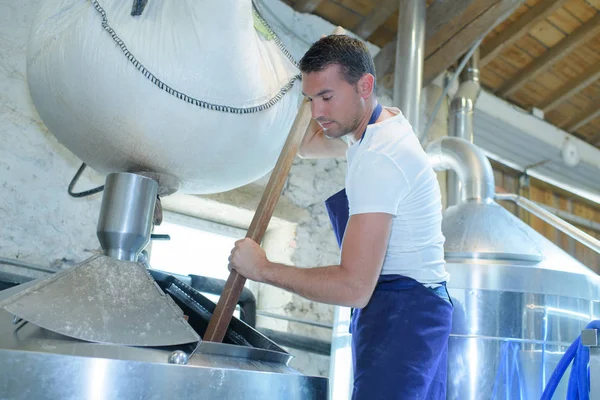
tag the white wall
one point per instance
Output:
(39, 222)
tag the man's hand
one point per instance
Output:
(249, 260)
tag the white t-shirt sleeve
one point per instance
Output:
(376, 184)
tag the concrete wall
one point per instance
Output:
(311, 182)
(39, 222)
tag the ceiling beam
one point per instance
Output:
(306, 6)
(376, 18)
(438, 61)
(554, 54)
(445, 22)
(560, 95)
(438, 16)
(590, 113)
(517, 29)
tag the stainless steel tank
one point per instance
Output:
(39, 364)
(514, 314)
(519, 300)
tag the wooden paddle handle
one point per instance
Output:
(221, 317)
(217, 327)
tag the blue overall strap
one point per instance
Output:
(338, 211)
(374, 116)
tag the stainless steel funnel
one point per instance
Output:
(126, 214)
(110, 298)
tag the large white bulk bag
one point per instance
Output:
(129, 93)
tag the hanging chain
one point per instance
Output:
(188, 99)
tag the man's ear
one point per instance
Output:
(366, 85)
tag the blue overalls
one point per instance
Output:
(400, 339)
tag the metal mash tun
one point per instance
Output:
(108, 329)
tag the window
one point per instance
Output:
(197, 247)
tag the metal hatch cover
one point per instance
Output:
(475, 230)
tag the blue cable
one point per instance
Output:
(560, 369)
(579, 379)
(572, 387)
(583, 370)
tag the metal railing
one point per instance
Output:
(545, 215)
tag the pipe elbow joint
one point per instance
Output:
(470, 164)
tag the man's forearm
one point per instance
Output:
(331, 284)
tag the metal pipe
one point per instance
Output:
(126, 215)
(469, 77)
(19, 263)
(463, 104)
(447, 87)
(410, 50)
(470, 164)
(569, 217)
(461, 116)
(552, 219)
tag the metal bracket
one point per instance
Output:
(590, 338)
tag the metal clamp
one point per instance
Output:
(590, 338)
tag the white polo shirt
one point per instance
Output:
(389, 172)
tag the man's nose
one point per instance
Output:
(316, 109)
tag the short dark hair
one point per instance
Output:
(350, 54)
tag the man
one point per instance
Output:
(388, 223)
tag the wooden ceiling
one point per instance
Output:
(546, 54)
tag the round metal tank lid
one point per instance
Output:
(487, 231)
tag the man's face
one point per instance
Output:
(335, 104)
